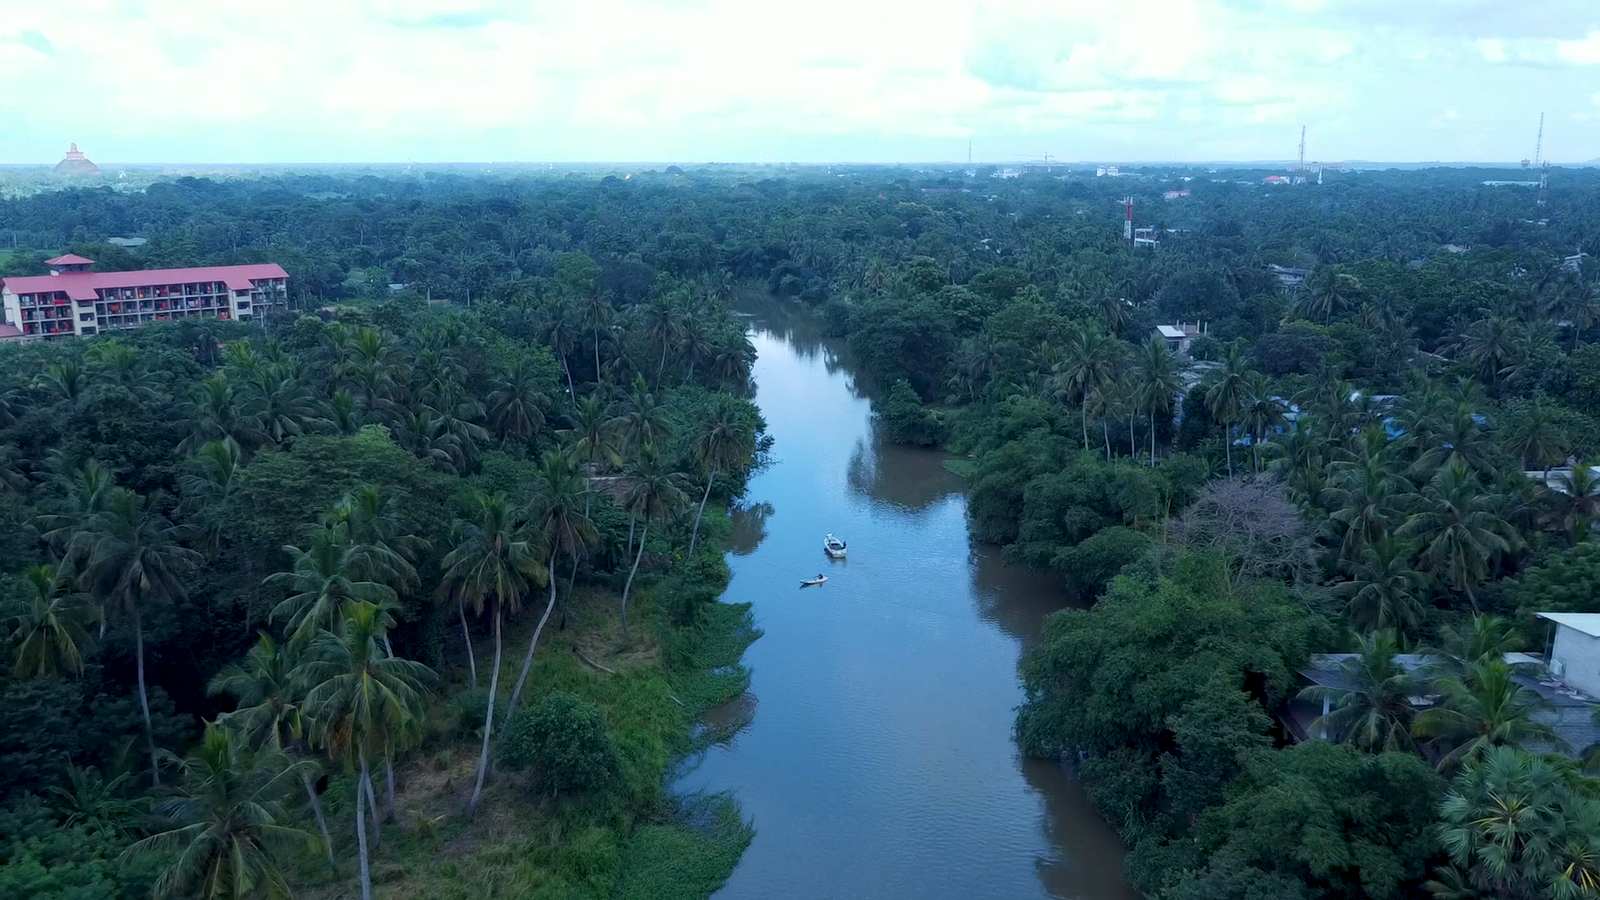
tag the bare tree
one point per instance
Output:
(1252, 522)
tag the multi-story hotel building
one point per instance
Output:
(72, 300)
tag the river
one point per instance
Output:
(877, 759)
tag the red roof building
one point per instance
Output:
(72, 300)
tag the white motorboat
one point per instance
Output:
(832, 546)
(811, 582)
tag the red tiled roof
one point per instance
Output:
(9, 332)
(82, 285)
(69, 259)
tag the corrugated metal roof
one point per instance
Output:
(1588, 623)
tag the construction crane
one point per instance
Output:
(1039, 157)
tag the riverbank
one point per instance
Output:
(635, 840)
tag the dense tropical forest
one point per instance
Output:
(263, 576)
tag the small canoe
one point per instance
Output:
(814, 581)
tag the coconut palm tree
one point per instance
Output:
(516, 406)
(1460, 530)
(329, 572)
(1089, 362)
(663, 320)
(592, 439)
(723, 443)
(47, 624)
(1225, 394)
(493, 566)
(1579, 500)
(1483, 709)
(642, 418)
(215, 413)
(1374, 713)
(595, 315)
(1365, 495)
(213, 472)
(1261, 413)
(135, 561)
(267, 714)
(653, 496)
(229, 823)
(1156, 384)
(360, 697)
(562, 530)
(1536, 438)
(1384, 590)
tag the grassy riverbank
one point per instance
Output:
(635, 839)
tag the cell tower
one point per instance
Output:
(1127, 222)
(1300, 170)
(1542, 164)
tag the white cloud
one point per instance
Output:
(496, 79)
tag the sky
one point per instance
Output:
(305, 81)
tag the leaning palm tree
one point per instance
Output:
(229, 823)
(493, 566)
(642, 417)
(47, 625)
(268, 714)
(360, 698)
(723, 443)
(561, 530)
(1374, 712)
(1088, 364)
(653, 496)
(1485, 708)
(135, 561)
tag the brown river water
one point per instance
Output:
(875, 758)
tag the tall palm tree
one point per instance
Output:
(493, 566)
(561, 530)
(1374, 713)
(558, 331)
(1579, 489)
(1460, 529)
(723, 443)
(1262, 413)
(1536, 438)
(360, 697)
(595, 314)
(1156, 384)
(593, 439)
(229, 823)
(653, 496)
(214, 471)
(1384, 590)
(66, 382)
(643, 418)
(1365, 494)
(135, 561)
(516, 404)
(268, 714)
(322, 577)
(1485, 708)
(47, 625)
(1225, 394)
(369, 519)
(663, 324)
(1089, 363)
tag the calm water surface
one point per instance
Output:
(877, 760)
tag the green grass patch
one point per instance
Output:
(966, 468)
(687, 858)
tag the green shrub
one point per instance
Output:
(565, 741)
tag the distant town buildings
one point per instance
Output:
(1107, 172)
(1179, 335)
(76, 164)
(1173, 195)
(72, 300)
(1146, 237)
(1275, 179)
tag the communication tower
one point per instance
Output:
(1127, 222)
(1542, 164)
